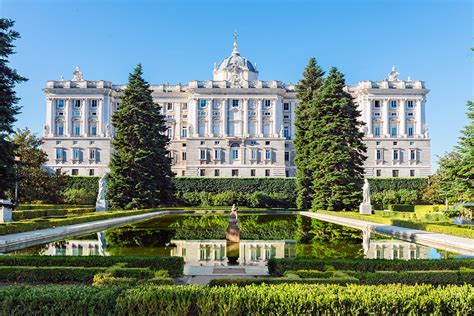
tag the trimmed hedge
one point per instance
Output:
(174, 265)
(23, 207)
(246, 281)
(48, 274)
(286, 299)
(29, 214)
(401, 208)
(279, 266)
(396, 184)
(412, 277)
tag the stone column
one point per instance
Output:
(68, 118)
(100, 117)
(177, 119)
(210, 118)
(50, 114)
(385, 118)
(368, 117)
(274, 130)
(84, 116)
(245, 118)
(259, 118)
(419, 118)
(403, 130)
(224, 116)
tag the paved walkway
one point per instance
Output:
(456, 244)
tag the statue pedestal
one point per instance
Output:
(232, 233)
(6, 207)
(101, 205)
(365, 208)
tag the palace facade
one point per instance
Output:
(233, 125)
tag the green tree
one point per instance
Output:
(35, 183)
(8, 105)
(306, 87)
(140, 169)
(465, 147)
(336, 149)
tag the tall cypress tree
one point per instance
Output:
(8, 105)
(465, 147)
(140, 169)
(311, 82)
(337, 152)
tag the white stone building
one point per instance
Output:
(233, 125)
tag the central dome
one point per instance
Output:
(235, 66)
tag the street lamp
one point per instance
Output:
(17, 162)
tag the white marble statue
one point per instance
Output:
(101, 203)
(365, 207)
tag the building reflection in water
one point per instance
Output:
(393, 249)
(95, 247)
(214, 252)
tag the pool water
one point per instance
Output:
(200, 240)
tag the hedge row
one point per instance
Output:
(249, 185)
(23, 207)
(286, 299)
(34, 224)
(36, 213)
(392, 277)
(279, 266)
(269, 281)
(174, 265)
(255, 199)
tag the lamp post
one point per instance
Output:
(17, 162)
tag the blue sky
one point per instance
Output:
(178, 41)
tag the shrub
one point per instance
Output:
(297, 299)
(246, 281)
(48, 274)
(401, 208)
(174, 265)
(279, 266)
(396, 184)
(29, 214)
(79, 196)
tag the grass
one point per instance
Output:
(405, 221)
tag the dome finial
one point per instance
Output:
(235, 49)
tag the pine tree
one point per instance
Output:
(8, 105)
(465, 147)
(140, 169)
(337, 152)
(311, 82)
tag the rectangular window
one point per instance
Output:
(93, 130)
(268, 154)
(235, 103)
(202, 172)
(235, 154)
(59, 154)
(379, 154)
(410, 131)
(92, 153)
(202, 103)
(410, 104)
(396, 154)
(413, 154)
(76, 154)
(393, 131)
(217, 154)
(267, 172)
(253, 154)
(93, 104)
(61, 130)
(91, 172)
(286, 106)
(183, 156)
(377, 131)
(60, 104)
(184, 132)
(202, 154)
(252, 172)
(75, 172)
(286, 132)
(378, 173)
(77, 130)
(77, 103)
(412, 173)
(267, 103)
(395, 173)
(235, 172)
(169, 106)
(393, 104)
(185, 106)
(377, 104)
(217, 172)
(287, 156)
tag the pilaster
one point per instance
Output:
(385, 118)
(402, 117)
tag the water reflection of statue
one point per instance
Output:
(366, 192)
